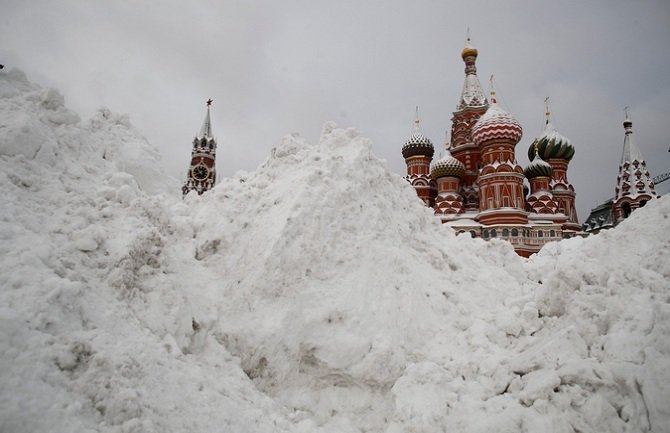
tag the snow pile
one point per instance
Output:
(315, 294)
(333, 278)
(86, 342)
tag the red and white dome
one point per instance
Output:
(496, 124)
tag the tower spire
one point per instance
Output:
(630, 150)
(635, 186)
(206, 130)
(472, 94)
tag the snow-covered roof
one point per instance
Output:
(496, 123)
(447, 166)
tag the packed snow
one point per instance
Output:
(315, 294)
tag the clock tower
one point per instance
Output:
(202, 172)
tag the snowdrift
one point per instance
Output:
(315, 294)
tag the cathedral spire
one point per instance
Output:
(630, 150)
(635, 185)
(472, 94)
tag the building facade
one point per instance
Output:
(479, 187)
(201, 174)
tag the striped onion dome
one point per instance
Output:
(551, 144)
(447, 166)
(496, 124)
(538, 167)
(417, 143)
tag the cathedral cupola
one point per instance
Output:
(417, 144)
(551, 144)
(201, 174)
(496, 124)
(447, 166)
(538, 167)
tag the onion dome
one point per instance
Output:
(538, 167)
(496, 124)
(447, 166)
(551, 144)
(469, 51)
(417, 143)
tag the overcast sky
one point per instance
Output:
(276, 67)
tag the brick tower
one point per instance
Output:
(471, 105)
(202, 171)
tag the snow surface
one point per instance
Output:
(315, 294)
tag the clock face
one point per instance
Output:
(200, 172)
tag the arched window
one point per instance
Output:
(485, 234)
(515, 232)
(552, 233)
(505, 232)
(473, 234)
(626, 210)
(643, 202)
(493, 233)
(540, 234)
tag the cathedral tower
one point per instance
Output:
(635, 186)
(501, 198)
(471, 105)
(202, 172)
(418, 153)
(541, 200)
(558, 151)
(447, 173)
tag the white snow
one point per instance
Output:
(315, 294)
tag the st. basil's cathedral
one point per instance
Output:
(478, 185)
